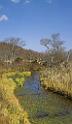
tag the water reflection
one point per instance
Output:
(32, 87)
(33, 84)
(44, 104)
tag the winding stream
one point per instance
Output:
(44, 107)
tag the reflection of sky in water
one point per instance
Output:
(33, 91)
(33, 84)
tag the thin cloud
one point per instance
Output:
(27, 1)
(16, 1)
(1, 7)
(23, 1)
(3, 18)
(49, 1)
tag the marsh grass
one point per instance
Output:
(58, 79)
(43, 108)
(46, 109)
(10, 110)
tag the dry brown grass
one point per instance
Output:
(58, 78)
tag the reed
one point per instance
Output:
(58, 79)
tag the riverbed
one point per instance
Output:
(44, 107)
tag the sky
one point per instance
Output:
(32, 20)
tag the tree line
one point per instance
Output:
(12, 49)
(55, 50)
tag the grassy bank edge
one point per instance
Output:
(10, 110)
(57, 80)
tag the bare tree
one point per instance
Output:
(55, 47)
(13, 43)
(69, 55)
(55, 42)
(45, 42)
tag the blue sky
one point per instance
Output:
(32, 20)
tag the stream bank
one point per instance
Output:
(44, 107)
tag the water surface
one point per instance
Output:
(44, 107)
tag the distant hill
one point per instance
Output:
(8, 52)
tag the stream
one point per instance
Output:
(44, 107)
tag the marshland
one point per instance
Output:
(35, 62)
(35, 87)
